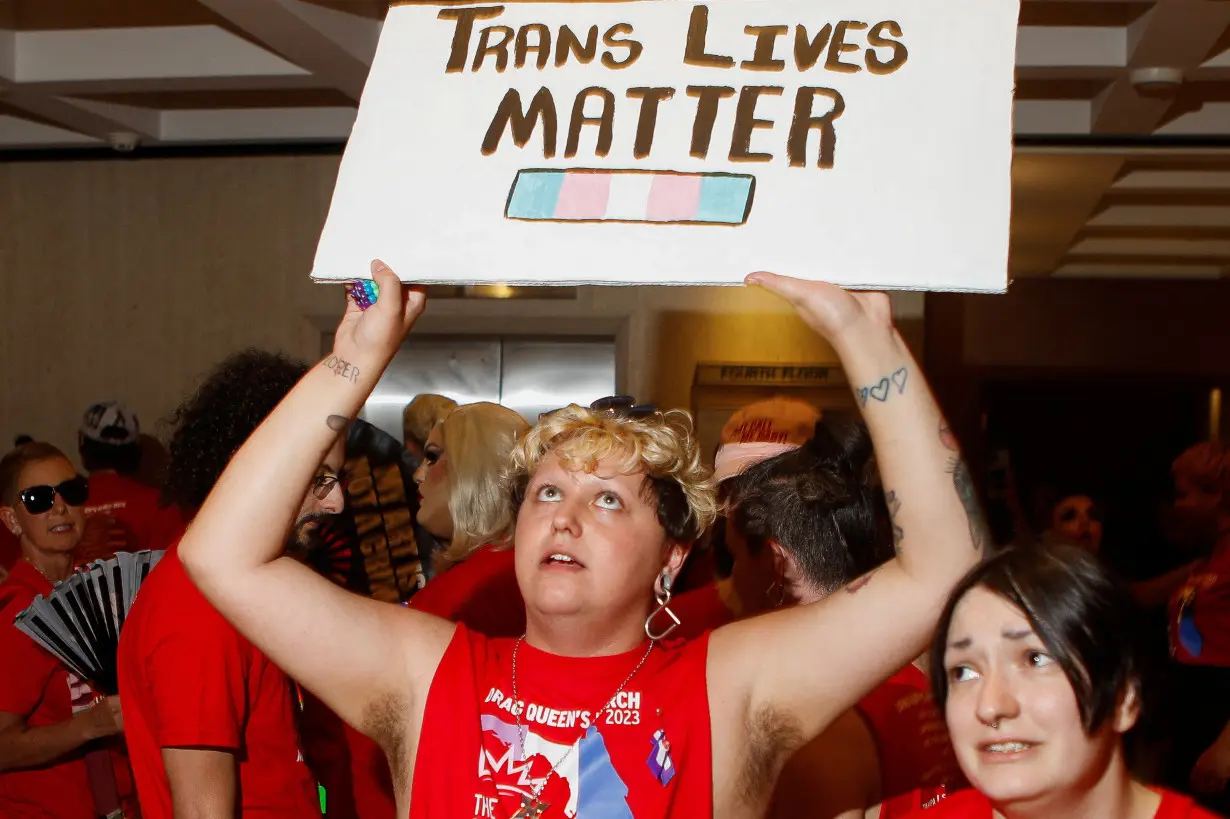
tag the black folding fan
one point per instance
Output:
(80, 620)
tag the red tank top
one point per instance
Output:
(648, 756)
(910, 735)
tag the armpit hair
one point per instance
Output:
(772, 736)
(385, 722)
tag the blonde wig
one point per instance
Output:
(477, 441)
(422, 414)
(661, 446)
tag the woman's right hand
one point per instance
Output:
(375, 334)
(103, 719)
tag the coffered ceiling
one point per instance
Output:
(73, 73)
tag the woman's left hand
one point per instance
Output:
(377, 333)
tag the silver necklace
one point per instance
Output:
(39, 569)
(531, 806)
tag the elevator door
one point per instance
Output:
(530, 376)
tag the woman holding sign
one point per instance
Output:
(584, 716)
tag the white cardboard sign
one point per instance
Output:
(864, 142)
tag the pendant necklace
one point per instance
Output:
(532, 806)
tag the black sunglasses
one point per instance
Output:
(39, 499)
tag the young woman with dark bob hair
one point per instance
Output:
(1036, 667)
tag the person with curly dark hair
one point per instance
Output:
(209, 719)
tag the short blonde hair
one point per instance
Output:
(422, 414)
(477, 441)
(662, 446)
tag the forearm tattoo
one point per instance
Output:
(342, 368)
(963, 482)
(894, 506)
(886, 386)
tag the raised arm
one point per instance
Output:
(799, 669)
(365, 660)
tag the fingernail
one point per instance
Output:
(379, 266)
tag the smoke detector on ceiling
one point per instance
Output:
(1156, 81)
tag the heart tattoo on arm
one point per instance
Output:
(883, 388)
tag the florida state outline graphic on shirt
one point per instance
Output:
(584, 780)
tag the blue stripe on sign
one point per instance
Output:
(723, 199)
(534, 195)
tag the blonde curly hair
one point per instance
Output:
(661, 446)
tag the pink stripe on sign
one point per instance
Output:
(673, 198)
(583, 196)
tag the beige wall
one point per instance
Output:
(128, 279)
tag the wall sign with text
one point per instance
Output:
(865, 142)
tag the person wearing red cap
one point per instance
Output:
(755, 433)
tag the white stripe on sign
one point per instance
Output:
(629, 197)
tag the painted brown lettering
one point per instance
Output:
(486, 48)
(807, 51)
(746, 123)
(648, 120)
(876, 39)
(461, 32)
(766, 43)
(522, 124)
(541, 47)
(707, 99)
(839, 46)
(613, 39)
(694, 52)
(605, 122)
(568, 44)
(804, 123)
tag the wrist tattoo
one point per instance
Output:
(342, 368)
(336, 422)
(885, 387)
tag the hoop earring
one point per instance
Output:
(662, 593)
(778, 587)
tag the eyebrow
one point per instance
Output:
(1012, 634)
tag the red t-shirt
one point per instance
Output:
(123, 515)
(352, 769)
(36, 686)
(647, 757)
(1200, 614)
(187, 678)
(910, 735)
(480, 592)
(970, 804)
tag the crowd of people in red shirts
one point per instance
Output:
(818, 625)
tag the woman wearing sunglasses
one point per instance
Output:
(1036, 666)
(45, 718)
